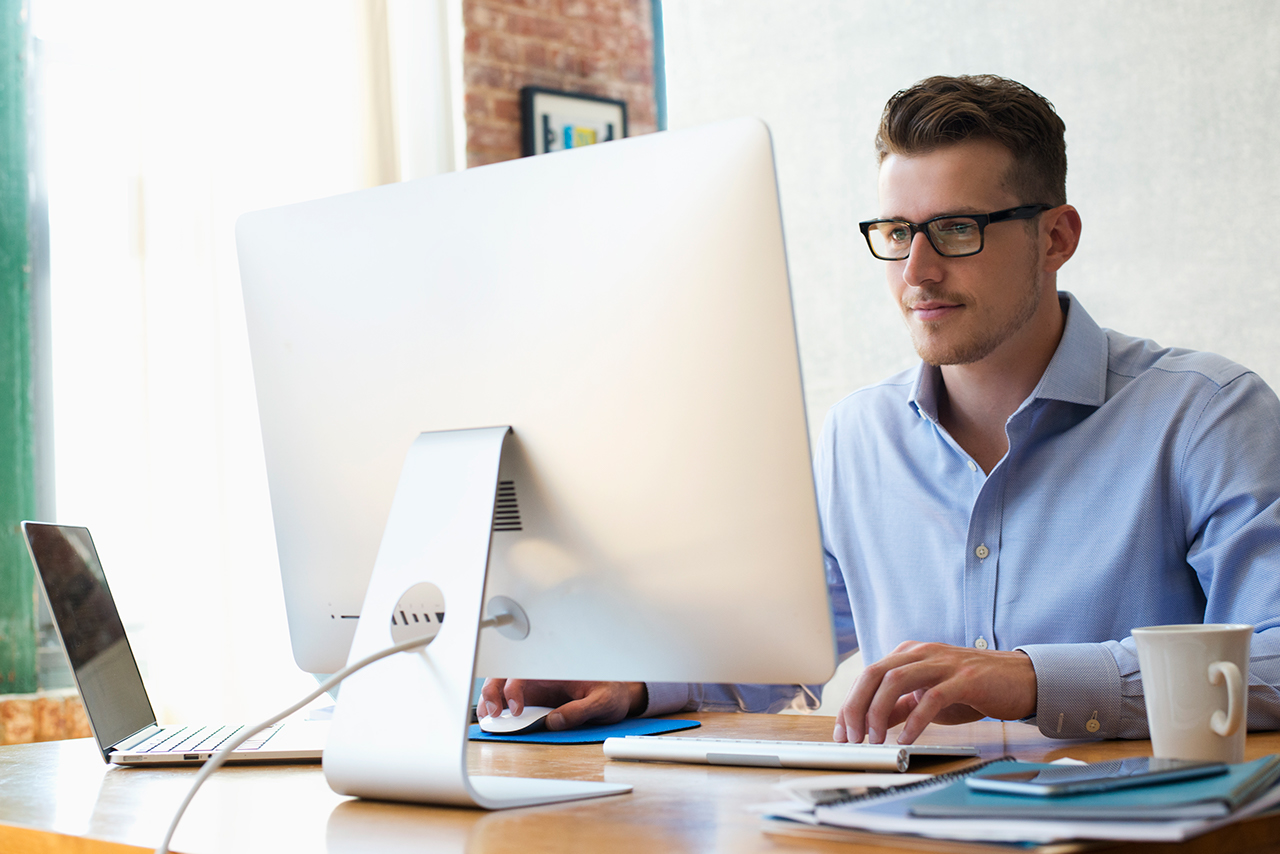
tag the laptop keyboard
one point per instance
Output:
(199, 739)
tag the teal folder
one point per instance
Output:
(1205, 797)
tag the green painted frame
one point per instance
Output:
(17, 456)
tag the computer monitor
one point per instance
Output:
(625, 310)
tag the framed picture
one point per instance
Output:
(553, 121)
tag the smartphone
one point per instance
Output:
(1094, 777)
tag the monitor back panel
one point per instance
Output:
(625, 309)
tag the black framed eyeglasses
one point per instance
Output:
(950, 235)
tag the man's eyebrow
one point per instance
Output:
(965, 211)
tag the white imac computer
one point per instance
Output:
(561, 394)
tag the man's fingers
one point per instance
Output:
(902, 709)
(513, 693)
(499, 694)
(850, 727)
(861, 717)
(604, 704)
(895, 699)
(491, 701)
(853, 713)
(844, 729)
(575, 703)
(920, 712)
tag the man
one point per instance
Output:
(999, 518)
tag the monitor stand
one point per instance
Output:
(399, 731)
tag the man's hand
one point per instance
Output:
(576, 703)
(924, 682)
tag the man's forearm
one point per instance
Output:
(668, 697)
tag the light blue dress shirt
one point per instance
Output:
(1141, 487)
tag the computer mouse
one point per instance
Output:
(533, 718)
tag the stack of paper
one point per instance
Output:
(946, 808)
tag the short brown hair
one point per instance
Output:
(942, 111)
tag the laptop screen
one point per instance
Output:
(91, 631)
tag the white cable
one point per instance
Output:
(216, 760)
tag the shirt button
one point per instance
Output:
(980, 643)
(973, 466)
(982, 552)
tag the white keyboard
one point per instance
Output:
(827, 755)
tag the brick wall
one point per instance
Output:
(48, 716)
(597, 47)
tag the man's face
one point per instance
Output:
(961, 310)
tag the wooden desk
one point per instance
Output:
(60, 797)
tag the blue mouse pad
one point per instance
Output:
(588, 734)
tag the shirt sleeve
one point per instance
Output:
(668, 697)
(1095, 690)
(1228, 477)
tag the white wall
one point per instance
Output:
(1172, 110)
(1173, 132)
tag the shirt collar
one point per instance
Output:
(1077, 373)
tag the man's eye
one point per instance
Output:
(958, 228)
(899, 234)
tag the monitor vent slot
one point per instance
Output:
(506, 511)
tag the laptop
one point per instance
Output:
(107, 675)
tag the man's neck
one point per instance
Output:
(978, 398)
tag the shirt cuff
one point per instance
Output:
(1077, 690)
(665, 698)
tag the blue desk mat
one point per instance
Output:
(588, 734)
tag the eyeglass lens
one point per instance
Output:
(949, 236)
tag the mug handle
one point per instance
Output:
(1227, 724)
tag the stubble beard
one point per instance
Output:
(980, 342)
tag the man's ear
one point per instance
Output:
(1060, 233)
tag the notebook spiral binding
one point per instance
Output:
(840, 797)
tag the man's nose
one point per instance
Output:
(924, 263)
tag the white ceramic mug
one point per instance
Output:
(1195, 679)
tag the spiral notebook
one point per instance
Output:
(890, 811)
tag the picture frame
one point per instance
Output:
(553, 120)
